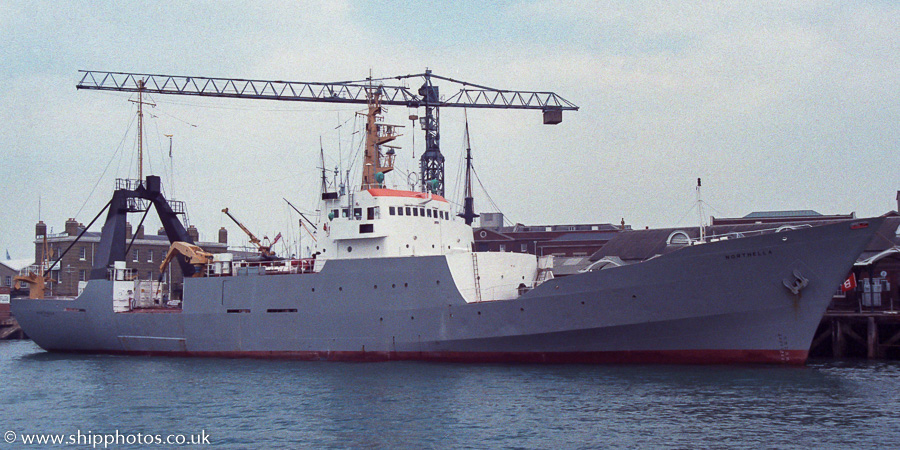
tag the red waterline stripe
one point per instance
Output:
(790, 357)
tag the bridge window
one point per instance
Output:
(416, 212)
(391, 210)
(400, 211)
(408, 213)
(422, 212)
(366, 228)
(357, 213)
(428, 212)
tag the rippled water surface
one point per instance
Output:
(288, 404)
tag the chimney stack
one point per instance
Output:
(140, 232)
(161, 232)
(40, 230)
(223, 235)
(72, 227)
(127, 230)
(193, 233)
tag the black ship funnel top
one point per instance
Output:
(153, 184)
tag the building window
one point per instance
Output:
(135, 258)
(502, 247)
(524, 248)
(150, 255)
(7, 281)
(82, 253)
(82, 275)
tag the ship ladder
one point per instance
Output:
(477, 277)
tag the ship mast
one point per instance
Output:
(468, 213)
(376, 163)
(140, 102)
(700, 212)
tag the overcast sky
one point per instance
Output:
(776, 105)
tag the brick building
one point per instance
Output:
(543, 240)
(8, 270)
(145, 256)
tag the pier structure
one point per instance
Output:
(9, 328)
(863, 319)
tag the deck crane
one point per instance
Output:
(431, 164)
(264, 250)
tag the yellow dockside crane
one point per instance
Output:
(264, 250)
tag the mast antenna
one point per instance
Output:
(700, 212)
(468, 213)
(140, 102)
(171, 165)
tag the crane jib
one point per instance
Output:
(337, 92)
(355, 92)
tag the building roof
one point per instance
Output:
(94, 236)
(16, 264)
(893, 251)
(887, 236)
(638, 245)
(585, 236)
(777, 214)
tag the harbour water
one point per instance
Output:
(245, 403)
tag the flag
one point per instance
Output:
(277, 237)
(849, 284)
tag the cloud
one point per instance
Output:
(776, 105)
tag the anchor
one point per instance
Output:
(797, 283)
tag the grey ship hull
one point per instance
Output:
(721, 302)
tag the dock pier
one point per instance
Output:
(867, 334)
(10, 329)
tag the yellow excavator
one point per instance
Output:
(194, 254)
